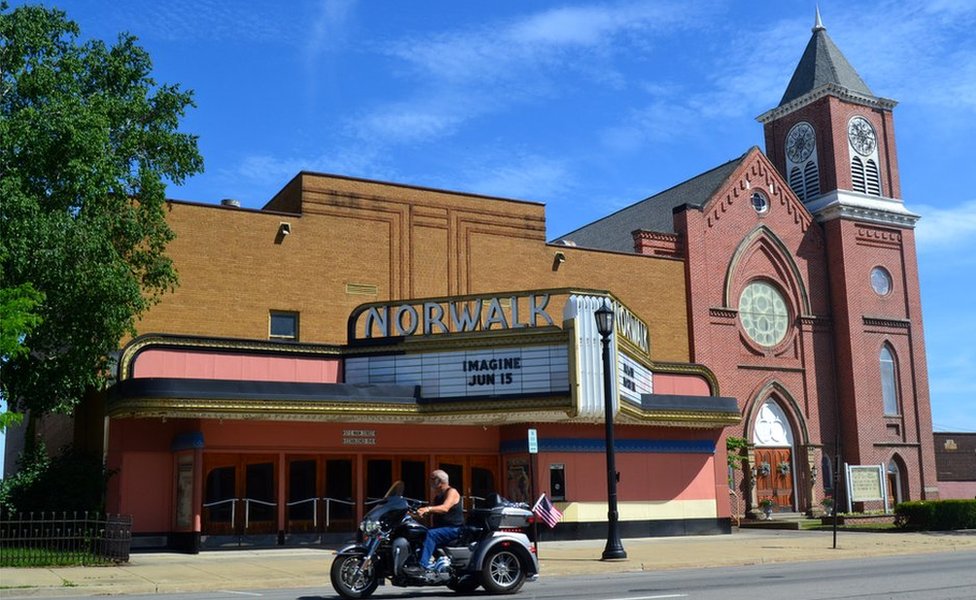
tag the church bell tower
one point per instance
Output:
(833, 141)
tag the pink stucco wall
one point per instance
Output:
(684, 385)
(182, 364)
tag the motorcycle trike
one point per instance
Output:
(493, 550)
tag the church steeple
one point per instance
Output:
(833, 139)
(823, 63)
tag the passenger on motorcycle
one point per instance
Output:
(448, 516)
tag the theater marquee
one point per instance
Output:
(474, 373)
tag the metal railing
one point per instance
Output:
(67, 538)
(315, 508)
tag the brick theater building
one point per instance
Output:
(352, 333)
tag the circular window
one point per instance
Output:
(759, 202)
(762, 311)
(880, 281)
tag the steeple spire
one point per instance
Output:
(818, 24)
(823, 63)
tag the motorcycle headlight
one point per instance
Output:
(369, 527)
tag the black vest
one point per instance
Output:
(453, 517)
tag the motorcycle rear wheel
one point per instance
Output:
(502, 572)
(343, 578)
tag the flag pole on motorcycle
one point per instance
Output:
(545, 510)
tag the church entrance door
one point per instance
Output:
(774, 476)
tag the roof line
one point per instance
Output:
(664, 191)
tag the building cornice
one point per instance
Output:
(843, 204)
(830, 89)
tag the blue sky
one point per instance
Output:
(586, 107)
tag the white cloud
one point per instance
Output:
(473, 72)
(328, 28)
(946, 228)
(525, 177)
(410, 122)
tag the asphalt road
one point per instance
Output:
(946, 576)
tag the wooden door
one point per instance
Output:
(774, 477)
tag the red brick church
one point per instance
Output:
(803, 289)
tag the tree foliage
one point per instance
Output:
(71, 481)
(88, 141)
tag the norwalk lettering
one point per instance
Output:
(632, 328)
(455, 316)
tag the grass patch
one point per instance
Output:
(879, 527)
(42, 557)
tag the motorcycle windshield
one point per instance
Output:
(390, 510)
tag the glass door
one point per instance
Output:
(239, 495)
(259, 497)
(219, 494)
(302, 500)
(339, 496)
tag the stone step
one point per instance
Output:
(780, 520)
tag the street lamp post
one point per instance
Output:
(604, 324)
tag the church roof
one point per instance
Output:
(823, 63)
(656, 213)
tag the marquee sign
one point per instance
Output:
(449, 315)
(633, 379)
(472, 373)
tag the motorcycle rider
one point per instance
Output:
(448, 518)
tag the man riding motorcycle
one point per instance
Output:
(448, 520)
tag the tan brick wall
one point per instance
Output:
(408, 242)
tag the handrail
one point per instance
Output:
(247, 509)
(315, 512)
(233, 508)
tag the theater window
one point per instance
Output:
(283, 325)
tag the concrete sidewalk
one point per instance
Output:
(306, 567)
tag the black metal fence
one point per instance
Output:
(68, 538)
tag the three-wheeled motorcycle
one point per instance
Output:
(492, 551)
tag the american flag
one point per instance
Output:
(546, 511)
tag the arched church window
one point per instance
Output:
(863, 148)
(889, 381)
(801, 161)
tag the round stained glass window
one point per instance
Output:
(759, 202)
(763, 313)
(880, 281)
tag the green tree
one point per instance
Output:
(88, 141)
(18, 317)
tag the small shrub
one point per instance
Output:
(71, 481)
(937, 515)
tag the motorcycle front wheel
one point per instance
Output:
(346, 581)
(502, 572)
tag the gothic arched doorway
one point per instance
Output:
(772, 438)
